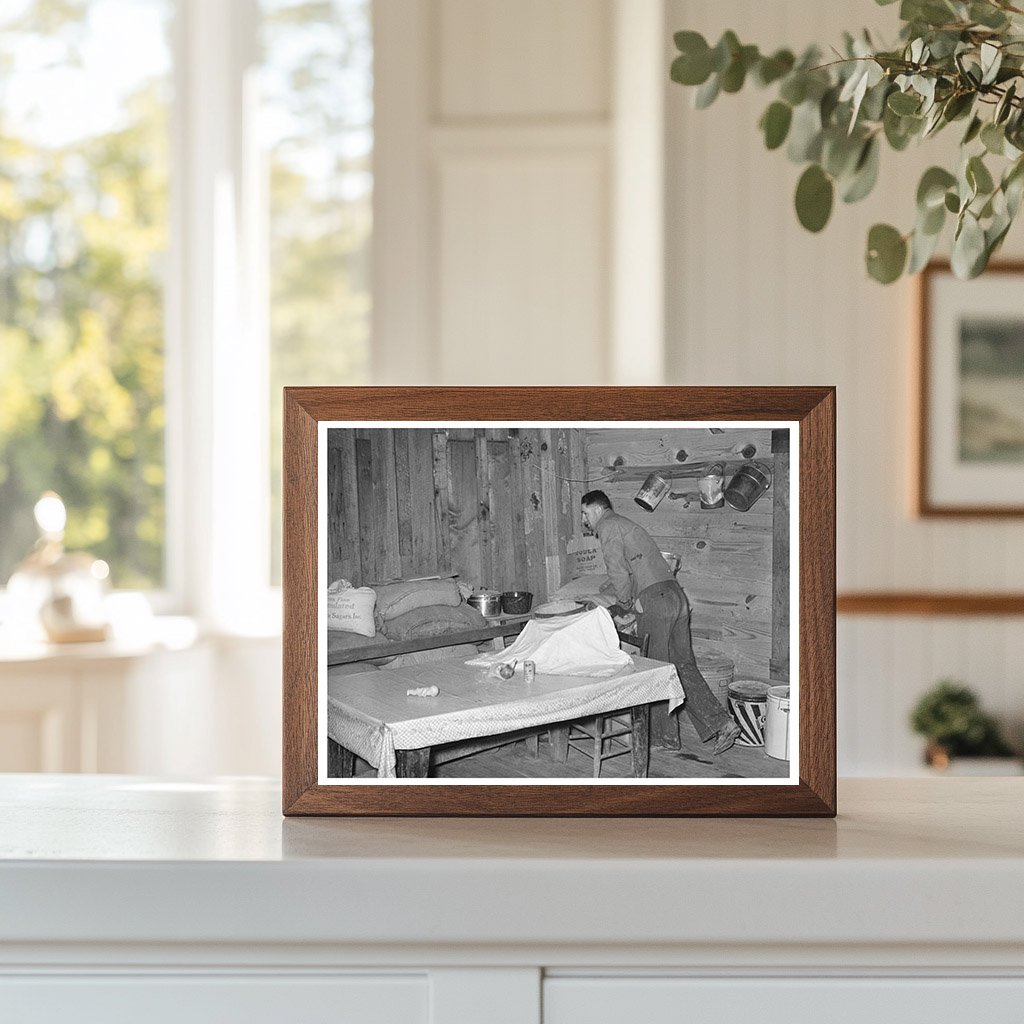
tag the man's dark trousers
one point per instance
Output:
(666, 619)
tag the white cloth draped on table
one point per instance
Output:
(581, 645)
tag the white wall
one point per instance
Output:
(754, 299)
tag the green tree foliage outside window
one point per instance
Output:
(318, 124)
(83, 228)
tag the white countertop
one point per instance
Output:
(123, 859)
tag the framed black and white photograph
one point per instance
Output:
(518, 601)
(970, 451)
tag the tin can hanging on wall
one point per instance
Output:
(749, 483)
(710, 486)
(651, 492)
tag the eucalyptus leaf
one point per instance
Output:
(922, 248)
(952, 202)
(735, 74)
(968, 247)
(775, 124)
(987, 15)
(794, 88)
(724, 51)
(886, 253)
(991, 60)
(1005, 105)
(840, 152)
(771, 69)
(958, 105)
(932, 221)
(978, 176)
(805, 133)
(903, 103)
(814, 195)
(993, 138)
(931, 190)
(865, 173)
(972, 132)
(707, 93)
(873, 106)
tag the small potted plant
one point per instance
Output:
(950, 717)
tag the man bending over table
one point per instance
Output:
(642, 582)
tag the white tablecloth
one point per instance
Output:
(372, 716)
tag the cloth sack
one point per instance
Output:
(351, 609)
(394, 599)
(432, 620)
(583, 645)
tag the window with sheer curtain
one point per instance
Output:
(100, 165)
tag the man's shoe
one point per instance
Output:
(727, 736)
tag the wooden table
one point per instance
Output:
(370, 715)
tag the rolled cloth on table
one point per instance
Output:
(394, 599)
(423, 691)
(433, 620)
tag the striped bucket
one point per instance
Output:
(748, 703)
(717, 671)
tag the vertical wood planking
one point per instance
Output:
(442, 500)
(550, 503)
(463, 512)
(534, 515)
(564, 490)
(483, 497)
(335, 513)
(424, 555)
(346, 552)
(780, 567)
(500, 503)
(364, 481)
(517, 503)
(385, 500)
(403, 501)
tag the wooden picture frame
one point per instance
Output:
(808, 413)
(969, 449)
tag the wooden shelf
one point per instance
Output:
(928, 603)
(392, 648)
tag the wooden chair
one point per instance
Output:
(606, 736)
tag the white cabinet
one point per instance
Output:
(202, 999)
(133, 898)
(827, 1000)
(98, 707)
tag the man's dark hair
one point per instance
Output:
(598, 498)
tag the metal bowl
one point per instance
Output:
(487, 603)
(516, 602)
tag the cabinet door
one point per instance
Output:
(783, 1000)
(202, 999)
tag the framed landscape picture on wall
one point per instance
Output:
(559, 601)
(970, 445)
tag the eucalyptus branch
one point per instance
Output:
(834, 116)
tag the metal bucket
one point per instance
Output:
(748, 702)
(776, 726)
(652, 491)
(749, 483)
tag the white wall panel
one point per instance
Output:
(752, 298)
(522, 296)
(530, 58)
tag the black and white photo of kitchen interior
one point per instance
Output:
(563, 601)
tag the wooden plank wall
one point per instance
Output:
(496, 506)
(726, 555)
